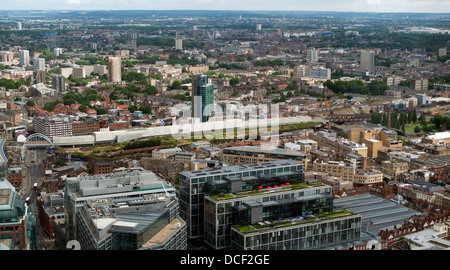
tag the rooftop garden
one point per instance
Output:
(261, 190)
(292, 221)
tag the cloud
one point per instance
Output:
(74, 2)
(373, 2)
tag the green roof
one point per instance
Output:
(243, 194)
(287, 222)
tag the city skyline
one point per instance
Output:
(396, 6)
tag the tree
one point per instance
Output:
(422, 118)
(82, 108)
(414, 116)
(437, 121)
(146, 109)
(234, 81)
(100, 111)
(176, 85)
(151, 90)
(30, 103)
(417, 129)
(132, 108)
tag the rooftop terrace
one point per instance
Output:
(265, 191)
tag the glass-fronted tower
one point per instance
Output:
(202, 97)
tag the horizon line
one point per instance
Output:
(225, 10)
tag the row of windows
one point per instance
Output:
(242, 174)
(295, 243)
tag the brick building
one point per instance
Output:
(102, 167)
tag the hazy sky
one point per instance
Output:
(432, 6)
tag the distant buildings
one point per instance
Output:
(312, 55)
(300, 71)
(53, 126)
(59, 83)
(368, 61)
(178, 42)
(320, 73)
(57, 51)
(6, 57)
(115, 69)
(420, 84)
(39, 63)
(24, 57)
(392, 80)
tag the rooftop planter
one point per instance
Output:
(260, 191)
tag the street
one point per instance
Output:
(34, 167)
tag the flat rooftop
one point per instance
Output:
(165, 233)
(256, 149)
(241, 168)
(266, 191)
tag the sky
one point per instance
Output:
(417, 6)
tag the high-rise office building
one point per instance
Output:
(195, 185)
(265, 205)
(6, 57)
(39, 64)
(419, 84)
(258, 27)
(299, 71)
(368, 61)
(320, 73)
(39, 76)
(19, 26)
(24, 57)
(114, 69)
(312, 55)
(178, 42)
(57, 51)
(58, 83)
(203, 100)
